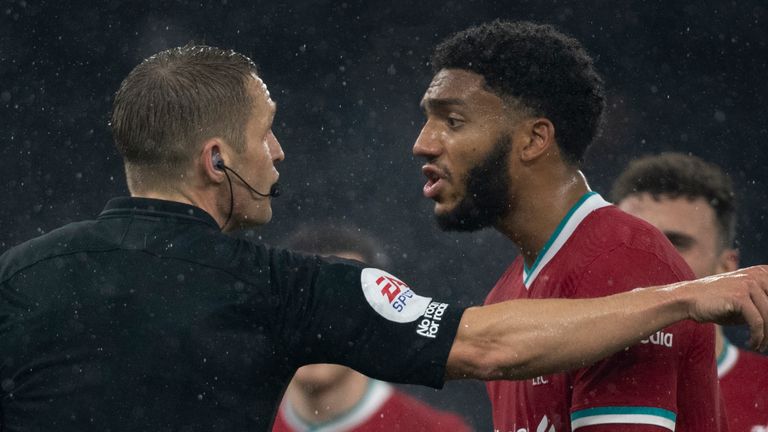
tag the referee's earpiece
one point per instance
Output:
(218, 165)
(218, 162)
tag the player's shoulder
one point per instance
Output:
(753, 364)
(613, 227)
(615, 252)
(416, 415)
(744, 379)
(611, 232)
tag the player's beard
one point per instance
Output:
(486, 200)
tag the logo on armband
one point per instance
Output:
(392, 298)
(430, 324)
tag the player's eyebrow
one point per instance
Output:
(431, 104)
(680, 240)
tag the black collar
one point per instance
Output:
(129, 206)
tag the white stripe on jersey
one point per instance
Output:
(376, 395)
(590, 202)
(727, 359)
(625, 419)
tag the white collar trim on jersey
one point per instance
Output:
(375, 396)
(588, 203)
(727, 359)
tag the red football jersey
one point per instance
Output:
(744, 385)
(382, 409)
(666, 382)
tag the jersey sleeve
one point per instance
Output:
(641, 388)
(339, 311)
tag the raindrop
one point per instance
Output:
(719, 116)
(7, 385)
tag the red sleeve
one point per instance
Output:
(640, 388)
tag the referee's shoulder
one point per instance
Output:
(63, 241)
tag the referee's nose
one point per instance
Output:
(275, 149)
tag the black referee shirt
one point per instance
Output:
(150, 319)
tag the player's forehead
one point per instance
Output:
(694, 216)
(457, 87)
(351, 255)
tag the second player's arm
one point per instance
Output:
(528, 338)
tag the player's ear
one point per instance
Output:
(728, 260)
(540, 138)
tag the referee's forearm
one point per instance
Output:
(528, 338)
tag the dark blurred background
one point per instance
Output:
(347, 76)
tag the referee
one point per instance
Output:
(150, 318)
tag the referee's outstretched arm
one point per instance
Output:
(527, 338)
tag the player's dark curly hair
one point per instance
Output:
(547, 71)
(676, 175)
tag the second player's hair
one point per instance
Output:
(548, 72)
(174, 100)
(334, 238)
(676, 175)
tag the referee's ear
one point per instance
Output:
(213, 150)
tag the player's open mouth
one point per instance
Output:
(435, 181)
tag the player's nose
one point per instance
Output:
(427, 144)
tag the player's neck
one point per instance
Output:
(316, 407)
(540, 206)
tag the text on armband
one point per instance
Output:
(430, 323)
